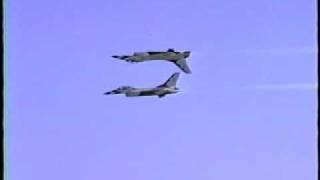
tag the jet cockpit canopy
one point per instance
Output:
(125, 87)
(139, 53)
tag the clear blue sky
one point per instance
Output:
(247, 112)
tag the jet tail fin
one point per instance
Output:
(172, 81)
(182, 64)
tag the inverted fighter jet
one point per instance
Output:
(179, 58)
(169, 87)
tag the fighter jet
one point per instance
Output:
(178, 58)
(169, 87)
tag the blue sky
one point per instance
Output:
(248, 110)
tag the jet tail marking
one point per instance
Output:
(172, 81)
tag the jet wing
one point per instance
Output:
(182, 64)
(150, 92)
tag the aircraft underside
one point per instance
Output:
(151, 57)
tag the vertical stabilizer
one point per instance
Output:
(172, 81)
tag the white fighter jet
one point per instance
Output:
(169, 87)
(179, 58)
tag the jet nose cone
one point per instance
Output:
(115, 56)
(109, 93)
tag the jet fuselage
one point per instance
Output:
(149, 56)
(170, 56)
(150, 92)
(133, 92)
(178, 58)
(169, 87)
